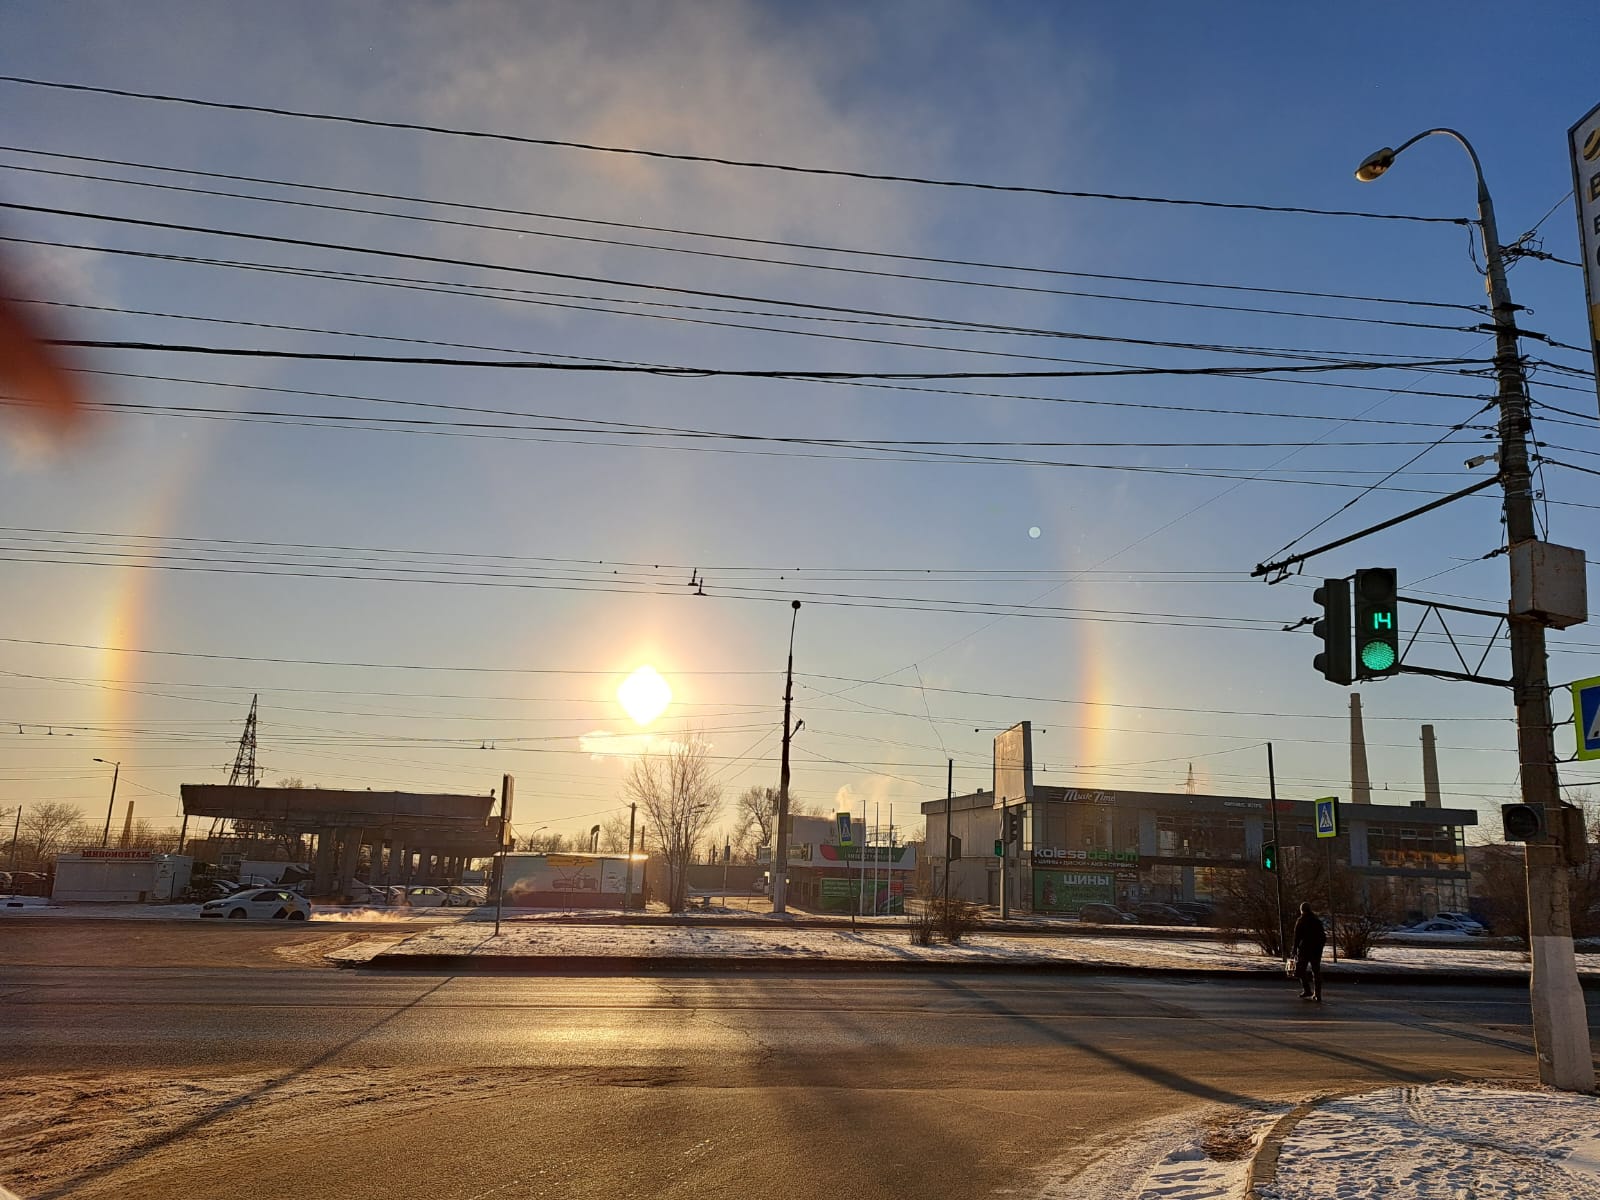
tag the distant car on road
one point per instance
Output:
(271, 904)
(1160, 914)
(425, 896)
(1104, 914)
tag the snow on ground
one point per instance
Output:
(1199, 1155)
(544, 940)
(1444, 1142)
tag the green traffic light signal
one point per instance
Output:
(999, 848)
(1269, 856)
(1377, 622)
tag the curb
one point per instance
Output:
(1263, 1171)
(769, 964)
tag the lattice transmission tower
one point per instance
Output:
(244, 762)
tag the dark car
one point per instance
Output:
(1203, 913)
(1160, 914)
(1104, 914)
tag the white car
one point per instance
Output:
(1464, 921)
(1445, 928)
(425, 896)
(458, 896)
(272, 904)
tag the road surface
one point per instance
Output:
(129, 1073)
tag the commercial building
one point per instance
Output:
(1092, 845)
(126, 876)
(826, 874)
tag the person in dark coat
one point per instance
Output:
(1309, 939)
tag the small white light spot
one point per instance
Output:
(1033, 531)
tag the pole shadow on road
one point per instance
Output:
(1165, 1077)
(135, 1153)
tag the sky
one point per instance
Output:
(432, 575)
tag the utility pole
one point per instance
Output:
(780, 850)
(627, 886)
(949, 839)
(116, 769)
(1560, 1019)
(1277, 873)
(16, 832)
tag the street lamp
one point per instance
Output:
(116, 769)
(780, 850)
(1560, 1024)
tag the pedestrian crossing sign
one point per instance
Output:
(1328, 817)
(1586, 716)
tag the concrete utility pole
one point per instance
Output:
(627, 887)
(1560, 1021)
(780, 849)
(116, 769)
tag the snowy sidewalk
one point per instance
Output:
(539, 945)
(1435, 1142)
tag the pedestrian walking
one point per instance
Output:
(1309, 939)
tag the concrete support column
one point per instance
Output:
(397, 860)
(322, 881)
(347, 861)
(375, 863)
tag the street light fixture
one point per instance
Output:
(116, 769)
(1560, 1023)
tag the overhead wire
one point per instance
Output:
(788, 168)
(795, 263)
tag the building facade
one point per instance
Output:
(1093, 845)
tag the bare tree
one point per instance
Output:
(614, 835)
(544, 843)
(48, 828)
(679, 800)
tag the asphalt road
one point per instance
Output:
(146, 1068)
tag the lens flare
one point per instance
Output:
(644, 695)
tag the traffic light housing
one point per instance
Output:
(1012, 829)
(1521, 822)
(1269, 856)
(1334, 630)
(1377, 624)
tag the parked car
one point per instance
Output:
(425, 896)
(1202, 912)
(1445, 928)
(214, 889)
(458, 896)
(1470, 923)
(274, 904)
(1160, 914)
(1105, 914)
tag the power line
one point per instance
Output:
(767, 260)
(789, 168)
(702, 372)
(954, 324)
(754, 241)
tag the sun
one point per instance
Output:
(644, 695)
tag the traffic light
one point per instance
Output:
(1013, 826)
(1334, 630)
(999, 848)
(1522, 822)
(1269, 856)
(1377, 650)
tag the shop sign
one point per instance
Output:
(1088, 796)
(1068, 891)
(1044, 856)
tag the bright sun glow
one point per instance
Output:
(644, 695)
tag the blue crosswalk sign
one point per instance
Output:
(1327, 817)
(844, 829)
(1586, 716)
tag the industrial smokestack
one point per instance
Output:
(127, 826)
(1430, 770)
(1360, 780)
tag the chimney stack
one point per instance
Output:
(1430, 770)
(1360, 780)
